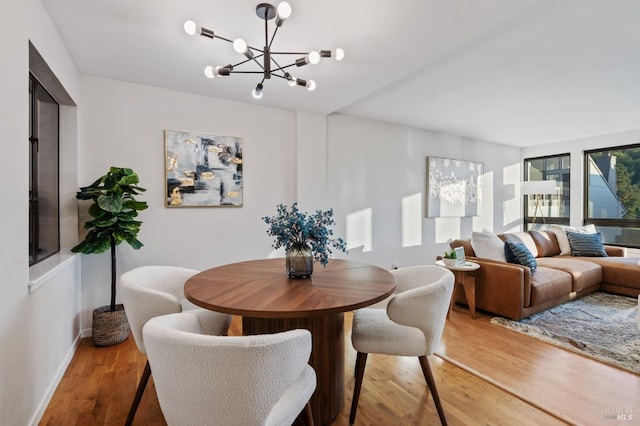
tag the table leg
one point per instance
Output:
(469, 284)
(327, 357)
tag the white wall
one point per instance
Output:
(377, 184)
(311, 150)
(122, 125)
(38, 330)
(342, 162)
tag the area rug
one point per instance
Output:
(600, 325)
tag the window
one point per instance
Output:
(612, 194)
(44, 223)
(553, 208)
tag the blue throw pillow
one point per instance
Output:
(520, 254)
(588, 245)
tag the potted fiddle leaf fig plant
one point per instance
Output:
(113, 211)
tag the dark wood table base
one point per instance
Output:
(327, 357)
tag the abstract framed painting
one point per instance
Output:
(202, 170)
(453, 187)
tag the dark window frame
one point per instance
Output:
(41, 71)
(552, 220)
(619, 223)
(35, 88)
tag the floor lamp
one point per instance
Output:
(538, 188)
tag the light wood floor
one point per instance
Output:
(486, 375)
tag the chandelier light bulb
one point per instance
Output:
(311, 85)
(314, 57)
(190, 27)
(208, 71)
(339, 54)
(284, 10)
(239, 45)
(257, 92)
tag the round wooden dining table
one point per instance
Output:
(269, 302)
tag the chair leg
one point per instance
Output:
(361, 361)
(136, 399)
(428, 375)
(308, 415)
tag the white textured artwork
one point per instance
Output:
(454, 187)
(202, 170)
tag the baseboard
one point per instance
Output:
(87, 332)
(42, 407)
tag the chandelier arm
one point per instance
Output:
(223, 38)
(256, 49)
(259, 64)
(249, 60)
(276, 62)
(272, 37)
(280, 76)
(289, 53)
(283, 67)
(246, 72)
(231, 41)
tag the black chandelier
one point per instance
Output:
(269, 66)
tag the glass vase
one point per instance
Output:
(299, 261)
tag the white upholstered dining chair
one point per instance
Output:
(411, 324)
(228, 380)
(151, 291)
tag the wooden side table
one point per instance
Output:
(467, 281)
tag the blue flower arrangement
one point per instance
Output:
(294, 228)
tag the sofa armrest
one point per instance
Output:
(616, 251)
(502, 288)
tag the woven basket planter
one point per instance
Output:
(110, 328)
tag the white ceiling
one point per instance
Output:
(521, 73)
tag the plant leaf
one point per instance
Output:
(111, 202)
(135, 205)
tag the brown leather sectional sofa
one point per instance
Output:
(512, 291)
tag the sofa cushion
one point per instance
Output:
(583, 274)
(588, 245)
(546, 243)
(620, 271)
(520, 254)
(487, 245)
(561, 235)
(549, 284)
(521, 237)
